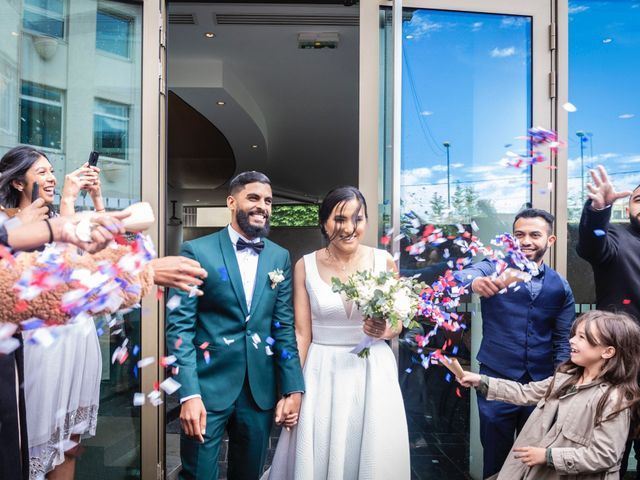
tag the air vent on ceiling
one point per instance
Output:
(182, 19)
(271, 19)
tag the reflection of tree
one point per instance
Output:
(466, 205)
(438, 205)
(458, 200)
(574, 207)
(470, 202)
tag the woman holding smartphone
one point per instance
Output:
(67, 373)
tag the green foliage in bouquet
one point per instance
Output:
(383, 295)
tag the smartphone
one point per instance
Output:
(93, 159)
(35, 192)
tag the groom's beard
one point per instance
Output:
(252, 231)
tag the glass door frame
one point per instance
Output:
(547, 93)
(545, 89)
(153, 179)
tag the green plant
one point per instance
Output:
(294, 216)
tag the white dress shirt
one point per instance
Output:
(248, 265)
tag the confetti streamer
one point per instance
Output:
(174, 302)
(170, 386)
(145, 362)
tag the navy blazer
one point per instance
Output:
(523, 333)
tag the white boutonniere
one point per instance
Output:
(276, 277)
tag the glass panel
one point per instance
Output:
(111, 129)
(42, 23)
(48, 98)
(112, 34)
(50, 6)
(466, 102)
(41, 124)
(604, 129)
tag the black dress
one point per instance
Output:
(14, 460)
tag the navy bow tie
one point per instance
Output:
(256, 247)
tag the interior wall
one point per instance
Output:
(289, 112)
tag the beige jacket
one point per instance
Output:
(579, 449)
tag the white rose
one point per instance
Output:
(402, 304)
(365, 292)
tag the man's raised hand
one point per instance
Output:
(601, 191)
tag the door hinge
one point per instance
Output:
(552, 37)
(552, 85)
(161, 78)
(163, 34)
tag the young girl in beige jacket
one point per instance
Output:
(583, 414)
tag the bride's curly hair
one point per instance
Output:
(621, 332)
(338, 197)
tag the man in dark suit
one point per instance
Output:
(612, 250)
(235, 345)
(525, 331)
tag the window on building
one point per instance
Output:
(111, 129)
(45, 17)
(113, 34)
(190, 217)
(41, 116)
(8, 103)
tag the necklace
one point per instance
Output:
(341, 266)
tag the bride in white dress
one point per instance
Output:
(352, 423)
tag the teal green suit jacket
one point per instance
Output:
(219, 323)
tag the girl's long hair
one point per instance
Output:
(621, 332)
(13, 166)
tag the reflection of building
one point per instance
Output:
(619, 211)
(71, 83)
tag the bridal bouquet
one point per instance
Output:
(383, 295)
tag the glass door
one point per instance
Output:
(73, 79)
(460, 84)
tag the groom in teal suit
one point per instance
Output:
(235, 345)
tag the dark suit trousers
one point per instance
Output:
(14, 460)
(500, 422)
(248, 427)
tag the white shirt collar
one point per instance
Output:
(234, 236)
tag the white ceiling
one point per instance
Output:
(299, 106)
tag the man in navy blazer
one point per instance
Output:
(525, 331)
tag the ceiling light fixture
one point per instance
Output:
(254, 146)
(221, 103)
(209, 34)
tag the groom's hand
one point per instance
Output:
(193, 418)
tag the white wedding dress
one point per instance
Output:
(62, 392)
(352, 424)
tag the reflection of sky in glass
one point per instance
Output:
(604, 79)
(466, 80)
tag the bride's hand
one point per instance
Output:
(291, 409)
(378, 328)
